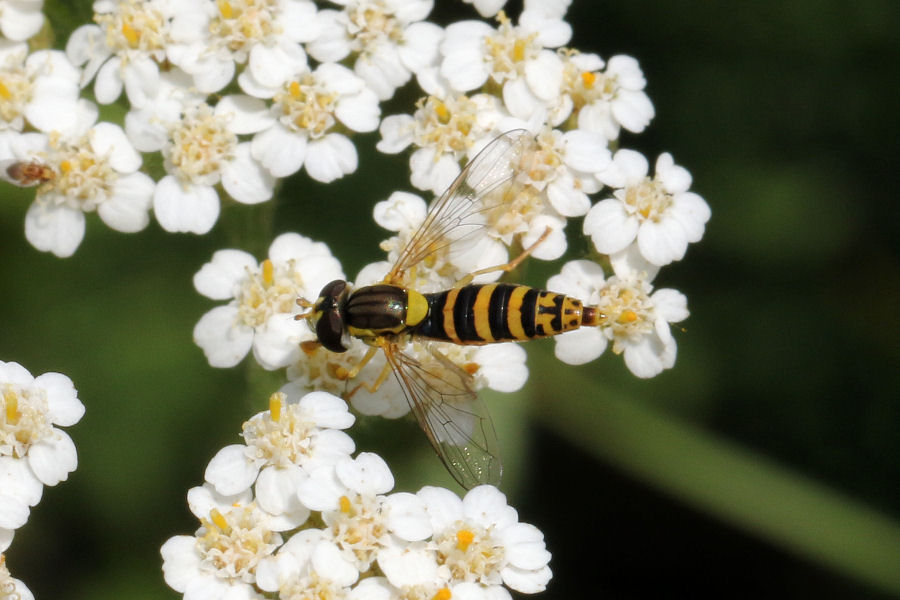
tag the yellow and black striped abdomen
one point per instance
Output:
(497, 312)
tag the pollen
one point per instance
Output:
(588, 79)
(268, 272)
(345, 505)
(276, 401)
(12, 407)
(225, 9)
(442, 112)
(464, 538)
(131, 34)
(219, 520)
(4, 91)
(442, 594)
(627, 316)
(471, 368)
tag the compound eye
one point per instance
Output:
(330, 330)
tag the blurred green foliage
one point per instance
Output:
(765, 463)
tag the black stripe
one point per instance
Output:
(498, 309)
(464, 313)
(432, 326)
(529, 304)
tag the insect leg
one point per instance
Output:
(506, 267)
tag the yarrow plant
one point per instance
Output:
(292, 514)
(34, 452)
(222, 100)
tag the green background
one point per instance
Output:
(765, 464)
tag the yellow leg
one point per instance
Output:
(373, 387)
(506, 267)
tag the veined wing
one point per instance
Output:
(487, 181)
(450, 413)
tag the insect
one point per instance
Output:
(25, 173)
(389, 315)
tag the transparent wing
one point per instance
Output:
(486, 182)
(451, 415)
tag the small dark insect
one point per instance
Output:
(25, 173)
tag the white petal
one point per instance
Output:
(276, 493)
(586, 151)
(692, 212)
(224, 342)
(610, 227)
(272, 66)
(217, 278)
(108, 85)
(13, 512)
(670, 304)
(486, 506)
(503, 366)
(213, 74)
(192, 209)
(128, 209)
(279, 151)
(329, 411)
(275, 343)
(360, 112)
(327, 558)
(580, 346)
(230, 471)
(331, 158)
(245, 114)
(52, 460)
(408, 566)
(528, 582)
(367, 474)
(18, 481)
(181, 561)
(141, 81)
(406, 517)
(397, 133)
(65, 408)
(56, 229)
(662, 242)
(244, 178)
(108, 139)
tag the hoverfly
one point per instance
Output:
(390, 314)
(24, 173)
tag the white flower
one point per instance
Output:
(606, 100)
(43, 88)
(487, 8)
(281, 446)
(445, 129)
(19, 20)
(262, 300)
(202, 150)
(389, 39)
(308, 566)
(33, 450)
(350, 495)
(266, 35)
(124, 48)
(635, 318)
(97, 171)
(10, 587)
(309, 108)
(221, 558)
(660, 213)
(479, 539)
(474, 52)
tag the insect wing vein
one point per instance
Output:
(455, 420)
(459, 213)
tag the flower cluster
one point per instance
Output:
(291, 513)
(34, 452)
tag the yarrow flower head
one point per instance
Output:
(211, 38)
(95, 171)
(309, 110)
(658, 213)
(281, 446)
(124, 49)
(360, 539)
(33, 450)
(636, 318)
(10, 587)
(388, 39)
(262, 300)
(221, 558)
